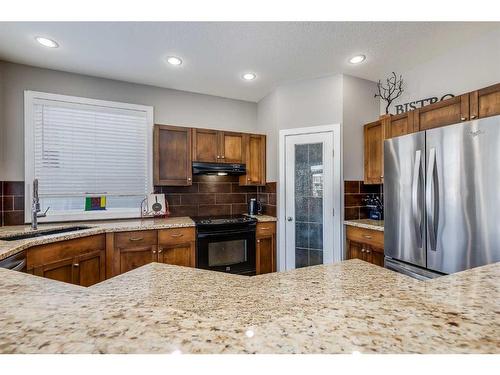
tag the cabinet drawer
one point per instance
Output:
(136, 238)
(266, 229)
(176, 236)
(373, 238)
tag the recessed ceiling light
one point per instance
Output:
(249, 76)
(46, 42)
(357, 59)
(172, 60)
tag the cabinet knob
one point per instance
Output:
(76, 265)
(463, 118)
(160, 250)
(367, 251)
(189, 178)
(258, 241)
(248, 179)
(223, 157)
(154, 251)
(218, 156)
(472, 117)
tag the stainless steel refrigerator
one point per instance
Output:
(442, 199)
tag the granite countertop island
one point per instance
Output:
(338, 308)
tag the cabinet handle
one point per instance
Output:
(248, 179)
(463, 118)
(160, 250)
(189, 178)
(362, 250)
(367, 251)
(472, 117)
(154, 251)
(258, 241)
(367, 236)
(264, 228)
(176, 235)
(76, 265)
(135, 239)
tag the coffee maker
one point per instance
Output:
(254, 207)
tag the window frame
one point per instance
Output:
(29, 155)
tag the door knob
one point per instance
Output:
(289, 218)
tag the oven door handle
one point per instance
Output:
(225, 233)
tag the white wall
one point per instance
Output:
(170, 106)
(328, 100)
(471, 66)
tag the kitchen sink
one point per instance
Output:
(42, 233)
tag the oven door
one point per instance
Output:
(231, 251)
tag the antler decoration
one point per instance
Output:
(391, 91)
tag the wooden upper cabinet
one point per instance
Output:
(206, 145)
(374, 157)
(401, 124)
(255, 160)
(232, 147)
(446, 112)
(172, 155)
(485, 102)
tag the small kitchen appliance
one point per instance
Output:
(254, 207)
(154, 205)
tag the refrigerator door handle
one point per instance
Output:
(416, 209)
(430, 199)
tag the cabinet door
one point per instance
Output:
(61, 270)
(206, 145)
(446, 112)
(265, 255)
(133, 257)
(255, 160)
(90, 268)
(374, 256)
(485, 102)
(374, 160)
(172, 156)
(178, 255)
(355, 250)
(401, 124)
(232, 147)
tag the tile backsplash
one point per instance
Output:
(208, 195)
(12, 202)
(354, 194)
(217, 195)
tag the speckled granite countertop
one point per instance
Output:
(340, 308)
(264, 218)
(366, 224)
(8, 248)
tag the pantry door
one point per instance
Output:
(309, 199)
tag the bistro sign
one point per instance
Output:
(402, 108)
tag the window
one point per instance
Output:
(80, 148)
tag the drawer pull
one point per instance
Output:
(135, 239)
(76, 265)
(265, 228)
(160, 250)
(367, 236)
(176, 235)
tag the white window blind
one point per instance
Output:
(81, 150)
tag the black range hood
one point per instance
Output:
(218, 169)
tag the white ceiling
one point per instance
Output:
(216, 54)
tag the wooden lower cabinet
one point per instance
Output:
(365, 244)
(79, 261)
(265, 249)
(374, 152)
(177, 247)
(130, 250)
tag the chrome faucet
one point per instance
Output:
(35, 207)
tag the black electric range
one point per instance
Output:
(226, 243)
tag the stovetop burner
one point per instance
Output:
(221, 220)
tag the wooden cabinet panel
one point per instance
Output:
(206, 145)
(401, 124)
(373, 152)
(133, 249)
(265, 249)
(232, 147)
(90, 268)
(485, 102)
(178, 255)
(61, 270)
(130, 258)
(365, 244)
(446, 112)
(255, 160)
(172, 155)
(177, 246)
